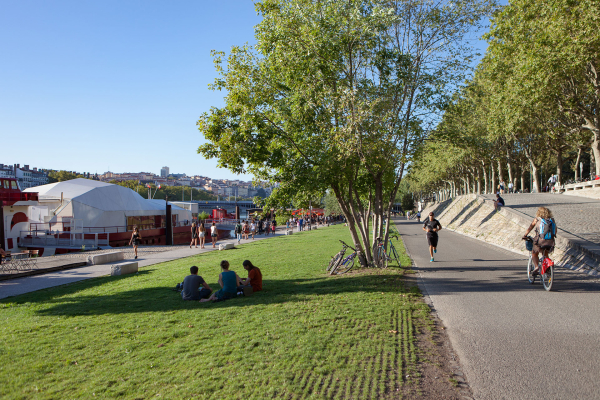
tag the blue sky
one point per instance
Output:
(113, 85)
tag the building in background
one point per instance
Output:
(25, 176)
(164, 172)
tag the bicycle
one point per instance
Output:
(335, 260)
(347, 263)
(546, 266)
(393, 253)
(380, 257)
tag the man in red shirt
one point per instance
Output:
(254, 277)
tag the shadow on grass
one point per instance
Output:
(162, 299)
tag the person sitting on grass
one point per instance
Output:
(254, 277)
(191, 286)
(229, 282)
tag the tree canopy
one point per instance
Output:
(339, 95)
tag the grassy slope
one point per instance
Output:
(307, 335)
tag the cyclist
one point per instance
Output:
(432, 226)
(540, 244)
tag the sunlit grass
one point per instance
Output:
(307, 334)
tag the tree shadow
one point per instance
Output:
(161, 298)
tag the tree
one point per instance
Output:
(61, 176)
(547, 54)
(337, 96)
(408, 203)
(261, 193)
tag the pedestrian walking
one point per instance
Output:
(135, 239)
(194, 235)
(432, 226)
(213, 234)
(202, 234)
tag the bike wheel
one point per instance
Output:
(530, 269)
(347, 266)
(334, 261)
(383, 259)
(394, 254)
(548, 278)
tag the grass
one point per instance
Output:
(306, 335)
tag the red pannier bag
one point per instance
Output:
(546, 264)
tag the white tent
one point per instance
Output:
(99, 204)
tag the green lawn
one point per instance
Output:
(307, 335)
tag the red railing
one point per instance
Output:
(18, 196)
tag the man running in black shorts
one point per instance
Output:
(432, 226)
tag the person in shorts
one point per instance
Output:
(432, 226)
(191, 286)
(540, 245)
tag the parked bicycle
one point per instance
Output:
(546, 267)
(340, 264)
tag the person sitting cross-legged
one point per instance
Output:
(229, 282)
(254, 279)
(191, 286)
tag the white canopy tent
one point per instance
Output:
(99, 204)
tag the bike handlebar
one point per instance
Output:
(347, 245)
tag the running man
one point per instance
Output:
(432, 226)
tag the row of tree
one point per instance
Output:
(336, 97)
(534, 101)
(175, 193)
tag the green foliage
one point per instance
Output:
(203, 215)
(329, 99)
(175, 193)
(332, 206)
(408, 203)
(307, 334)
(61, 176)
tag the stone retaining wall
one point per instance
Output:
(474, 216)
(592, 193)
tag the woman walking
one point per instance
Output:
(202, 234)
(253, 229)
(214, 233)
(194, 236)
(135, 239)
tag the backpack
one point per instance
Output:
(238, 228)
(546, 235)
(547, 229)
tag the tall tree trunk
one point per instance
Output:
(596, 152)
(493, 172)
(579, 151)
(559, 163)
(522, 179)
(500, 171)
(478, 180)
(485, 177)
(509, 167)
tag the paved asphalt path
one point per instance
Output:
(514, 340)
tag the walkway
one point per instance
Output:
(579, 216)
(514, 340)
(149, 256)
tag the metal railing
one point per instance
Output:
(63, 239)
